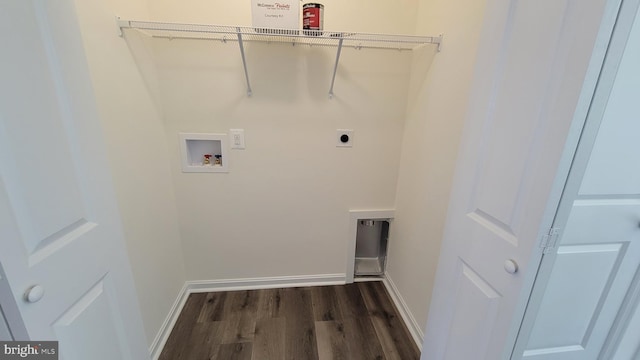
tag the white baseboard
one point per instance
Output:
(231, 285)
(265, 282)
(165, 330)
(415, 329)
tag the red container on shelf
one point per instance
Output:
(312, 19)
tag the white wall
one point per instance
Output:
(437, 100)
(138, 155)
(283, 207)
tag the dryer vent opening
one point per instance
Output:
(371, 247)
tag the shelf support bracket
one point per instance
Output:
(122, 24)
(244, 61)
(439, 42)
(335, 67)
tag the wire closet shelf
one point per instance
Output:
(226, 33)
(244, 34)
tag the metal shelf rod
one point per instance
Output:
(244, 63)
(335, 68)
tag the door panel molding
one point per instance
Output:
(476, 310)
(622, 322)
(494, 225)
(599, 263)
(9, 309)
(90, 310)
(59, 240)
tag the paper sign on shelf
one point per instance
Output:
(280, 14)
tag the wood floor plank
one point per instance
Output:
(361, 339)
(300, 336)
(269, 339)
(212, 307)
(238, 329)
(392, 333)
(238, 316)
(240, 303)
(325, 303)
(350, 300)
(204, 341)
(175, 346)
(269, 303)
(332, 343)
(238, 351)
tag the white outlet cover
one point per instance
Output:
(340, 133)
(236, 138)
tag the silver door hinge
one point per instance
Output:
(550, 240)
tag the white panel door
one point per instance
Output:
(629, 345)
(59, 223)
(5, 334)
(589, 292)
(530, 70)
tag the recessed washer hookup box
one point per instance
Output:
(268, 15)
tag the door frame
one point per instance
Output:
(612, 38)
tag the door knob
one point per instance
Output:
(34, 293)
(510, 266)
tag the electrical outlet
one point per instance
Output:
(237, 138)
(344, 138)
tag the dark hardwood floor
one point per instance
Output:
(351, 322)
